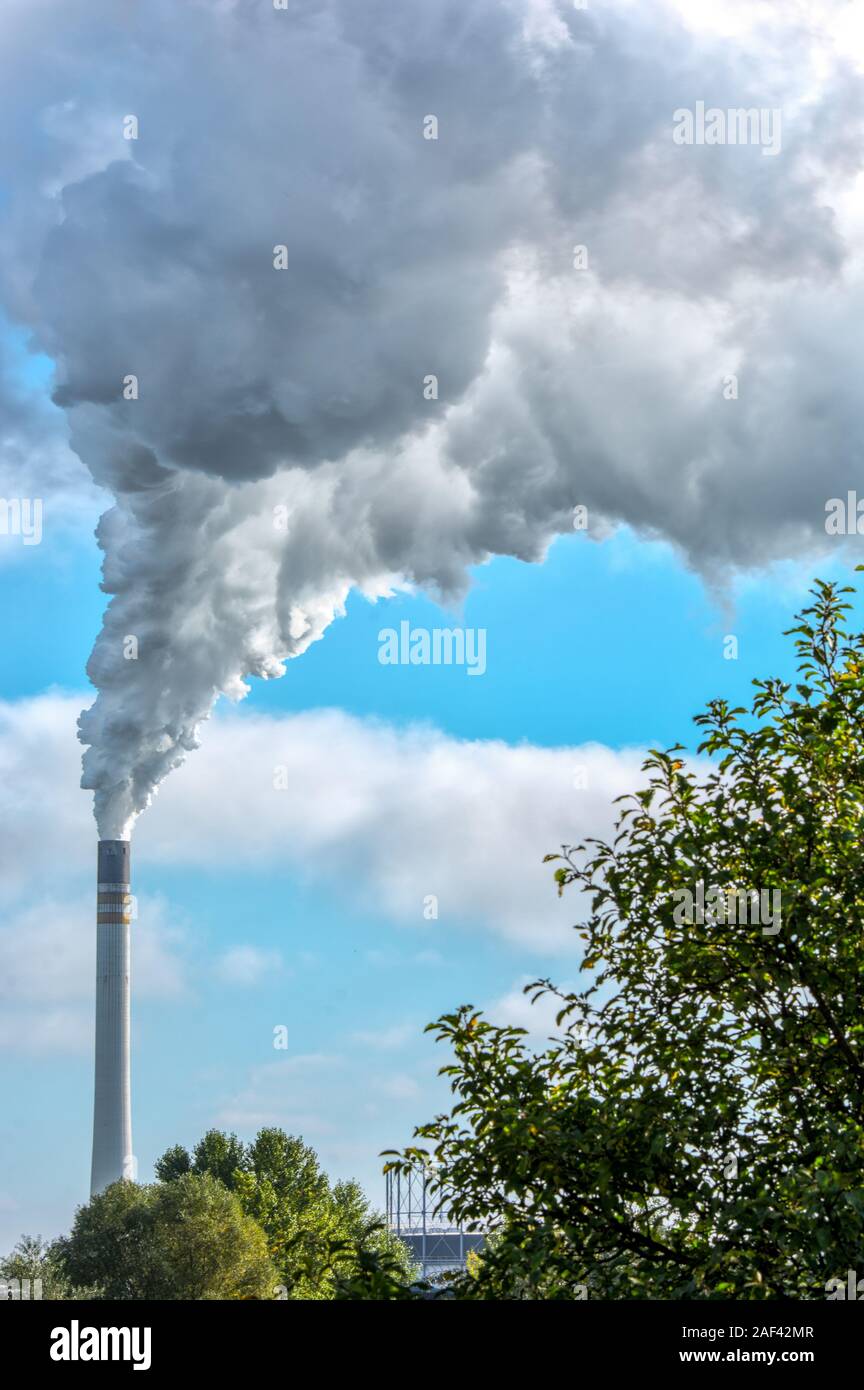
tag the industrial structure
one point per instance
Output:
(112, 1101)
(437, 1242)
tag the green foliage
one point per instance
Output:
(184, 1239)
(210, 1249)
(110, 1246)
(696, 1128)
(220, 1155)
(373, 1266)
(173, 1164)
(36, 1259)
(315, 1233)
(367, 1241)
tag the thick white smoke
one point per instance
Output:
(281, 448)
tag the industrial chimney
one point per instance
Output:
(112, 1109)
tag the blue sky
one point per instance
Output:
(554, 673)
(231, 307)
(615, 642)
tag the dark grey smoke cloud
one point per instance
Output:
(281, 450)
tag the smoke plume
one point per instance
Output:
(272, 436)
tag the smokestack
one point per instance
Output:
(112, 1108)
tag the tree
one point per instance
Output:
(364, 1228)
(286, 1191)
(184, 1239)
(33, 1270)
(209, 1247)
(111, 1245)
(173, 1164)
(220, 1155)
(695, 1129)
(313, 1231)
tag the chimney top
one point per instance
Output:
(114, 858)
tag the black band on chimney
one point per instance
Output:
(114, 858)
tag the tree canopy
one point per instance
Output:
(185, 1239)
(316, 1233)
(33, 1270)
(228, 1221)
(695, 1128)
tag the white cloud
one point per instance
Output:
(384, 816)
(515, 1009)
(561, 384)
(48, 970)
(428, 958)
(36, 461)
(345, 1106)
(287, 1093)
(47, 1031)
(388, 1039)
(398, 1087)
(246, 965)
(392, 817)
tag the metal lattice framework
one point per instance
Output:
(437, 1242)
